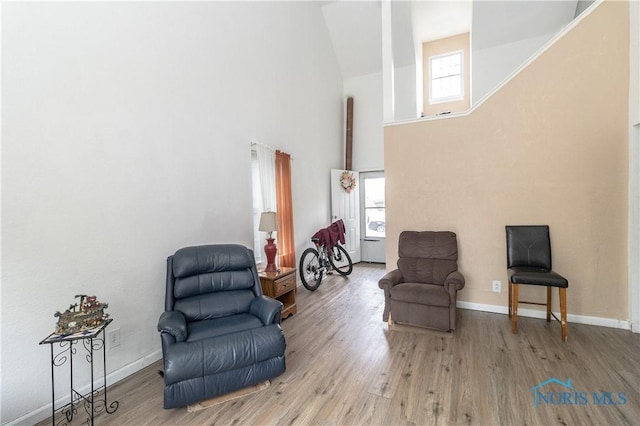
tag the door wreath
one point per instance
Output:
(347, 181)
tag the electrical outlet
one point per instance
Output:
(497, 286)
(114, 338)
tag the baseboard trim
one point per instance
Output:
(534, 313)
(114, 377)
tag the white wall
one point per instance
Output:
(405, 93)
(492, 65)
(125, 136)
(368, 148)
(506, 33)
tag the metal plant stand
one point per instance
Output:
(94, 401)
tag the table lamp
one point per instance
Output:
(269, 224)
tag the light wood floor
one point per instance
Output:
(344, 367)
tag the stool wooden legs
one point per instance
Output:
(548, 304)
(563, 313)
(513, 309)
(510, 298)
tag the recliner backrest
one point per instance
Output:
(528, 245)
(428, 256)
(205, 282)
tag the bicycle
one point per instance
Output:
(316, 263)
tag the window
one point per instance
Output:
(446, 77)
(271, 191)
(374, 207)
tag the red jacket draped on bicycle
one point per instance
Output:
(331, 235)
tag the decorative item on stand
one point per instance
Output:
(269, 224)
(87, 315)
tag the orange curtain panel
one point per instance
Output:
(286, 242)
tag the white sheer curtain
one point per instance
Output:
(267, 169)
(264, 191)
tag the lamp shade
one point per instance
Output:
(268, 222)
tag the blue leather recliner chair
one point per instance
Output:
(218, 332)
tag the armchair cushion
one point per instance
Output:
(214, 305)
(197, 261)
(218, 354)
(423, 294)
(220, 326)
(429, 271)
(427, 257)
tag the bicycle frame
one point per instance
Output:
(323, 256)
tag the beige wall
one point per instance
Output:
(439, 47)
(550, 147)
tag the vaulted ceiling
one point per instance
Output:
(355, 26)
(356, 34)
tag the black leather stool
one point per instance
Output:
(529, 262)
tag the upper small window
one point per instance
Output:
(446, 77)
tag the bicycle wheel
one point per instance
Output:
(310, 271)
(340, 260)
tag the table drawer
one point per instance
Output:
(284, 284)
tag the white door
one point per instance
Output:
(345, 205)
(372, 209)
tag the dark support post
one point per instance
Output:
(349, 135)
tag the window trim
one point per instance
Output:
(459, 97)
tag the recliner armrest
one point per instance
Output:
(267, 309)
(390, 279)
(174, 323)
(454, 281)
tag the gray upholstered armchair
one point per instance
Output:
(218, 332)
(423, 290)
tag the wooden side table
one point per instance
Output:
(281, 285)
